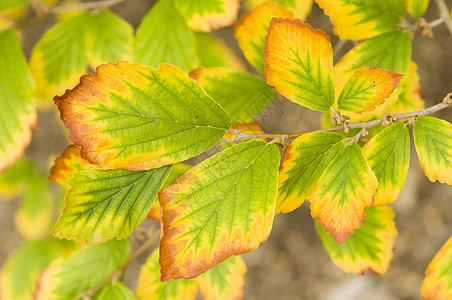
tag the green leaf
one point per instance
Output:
(164, 37)
(62, 54)
(5, 4)
(343, 192)
(433, 140)
(304, 162)
(224, 206)
(17, 113)
(138, 118)
(369, 249)
(417, 8)
(108, 203)
(114, 291)
(241, 94)
(388, 154)
(437, 284)
(213, 52)
(150, 287)
(224, 281)
(362, 19)
(22, 268)
(67, 278)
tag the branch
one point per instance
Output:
(445, 14)
(385, 120)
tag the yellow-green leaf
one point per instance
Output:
(224, 206)
(343, 192)
(367, 88)
(207, 15)
(224, 281)
(68, 277)
(304, 162)
(437, 284)
(250, 32)
(369, 249)
(137, 118)
(388, 154)
(164, 37)
(151, 288)
(108, 203)
(114, 291)
(433, 141)
(362, 19)
(417, 8)
(299, 8)
(299, 63)
(17, 113)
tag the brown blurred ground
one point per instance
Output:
(293, 264)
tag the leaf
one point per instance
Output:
(137, 118)
(433, 141)
(242, 95)
(390, 51)
(251, 127)
(67, 164)
(207, 15)
(202, 225)
(369, 249)
(5, 4)
(359, 20)
(151, 288)
(343, 192)
(367, 88)
(103, 204)
(22, 268)
(213, 52)
(388, 154)
(250, 32)
(67, 278)
(299, 63)
(164, 37)
(116, 291)
(417, 8)
(224, 281)
(305, 159)
(62, 54)
(437, 284)
(17, 113)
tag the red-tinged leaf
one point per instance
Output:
(250, 32)
(131, 117)
(437, 284)
(202, 223)
(369, 249)
(343, 192)
(367, 88)
(299, 63)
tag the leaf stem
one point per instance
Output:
(387, 118)
(444, 13)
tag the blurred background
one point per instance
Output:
(292, 263)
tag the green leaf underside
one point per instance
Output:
(21, 270)
(137, 118)
(150, 286)
(433, 141)
(242, 95)
(67, 278)
(369, 249)
(304, 162)
(17, 106)
(114, 291)
(202, 224)
(224, 281)
(164, 37)
(343, 192)
(108, 203)
(388, 154)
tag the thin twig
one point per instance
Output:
(444, 13)
(435, 23)
(399, 117)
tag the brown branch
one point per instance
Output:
(387, 118)
(444, 13)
